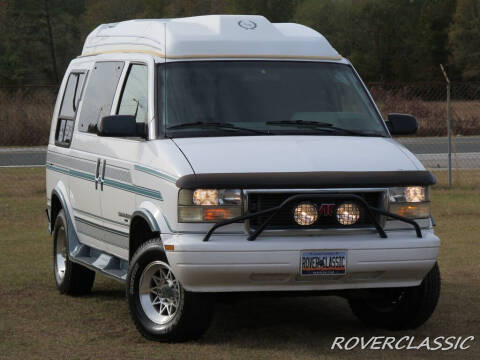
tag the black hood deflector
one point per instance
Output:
(306, 180)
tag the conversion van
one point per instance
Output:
(227, 154)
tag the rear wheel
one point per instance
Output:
(71, 278)
(400, 308)
(159, 306)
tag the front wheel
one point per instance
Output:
(159, 306)
(400, 308)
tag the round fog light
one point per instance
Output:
(305, 214)
(348, 214)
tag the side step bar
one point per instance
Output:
(99, 261)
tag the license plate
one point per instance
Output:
(323, 263)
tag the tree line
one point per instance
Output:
(387, 40)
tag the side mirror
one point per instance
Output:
(120, 126)
(402, 124)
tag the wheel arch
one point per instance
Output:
(58, 193)
(143, 227)
(59, 201)
(56, 206)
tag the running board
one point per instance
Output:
(89, 257)
(99, 261)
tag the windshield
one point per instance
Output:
(238, 98)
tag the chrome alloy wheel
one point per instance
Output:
(60, 254)
(160, 293)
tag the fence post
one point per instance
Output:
(449, 127)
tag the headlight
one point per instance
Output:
(208, 205)
(205, 197)
(408, 194)
(411, 202)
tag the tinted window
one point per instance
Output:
(99, 94)
(68, 106)
(68, 109)
(266, 97)
(134, 99)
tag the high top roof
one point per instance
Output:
(212, 36)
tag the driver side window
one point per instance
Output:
(134, 98)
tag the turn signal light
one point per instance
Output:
(411, 210)
(215, 214)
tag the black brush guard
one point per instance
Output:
(274, 210)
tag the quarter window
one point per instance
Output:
(99, 94)
(68, 109)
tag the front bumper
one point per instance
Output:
(228, 263)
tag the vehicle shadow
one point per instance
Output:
(107, 294)
(273, 320)
(309, 325)
(306, 325)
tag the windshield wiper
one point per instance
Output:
(323, 126)
(216, 125)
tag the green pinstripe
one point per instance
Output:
(156, 173)
(58, 169)
(82, 175)
(154, 194)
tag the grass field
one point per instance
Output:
(36, 322)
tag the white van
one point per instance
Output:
(226, 154)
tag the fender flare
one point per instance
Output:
(154, 217)
(74, 245)
(148, 217)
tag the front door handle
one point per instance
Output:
(102, 179)
(97, 174)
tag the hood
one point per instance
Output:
(257, 154)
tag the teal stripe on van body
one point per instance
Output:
(82, 175)
(153, 194)
(156, 173)
(57, 169)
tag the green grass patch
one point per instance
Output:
(37, 322)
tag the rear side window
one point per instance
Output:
(99, 94)
(68, 109)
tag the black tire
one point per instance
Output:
(76, 279)
(191, 318)
(400, 308)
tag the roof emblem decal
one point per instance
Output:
(247, 24)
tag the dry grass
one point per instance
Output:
(36, 322)
(465, 179)
(25, 117)
(430, 112)
(432, 115)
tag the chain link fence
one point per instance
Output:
(26, 114)
(428, 102)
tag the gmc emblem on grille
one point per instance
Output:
(326, 209)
